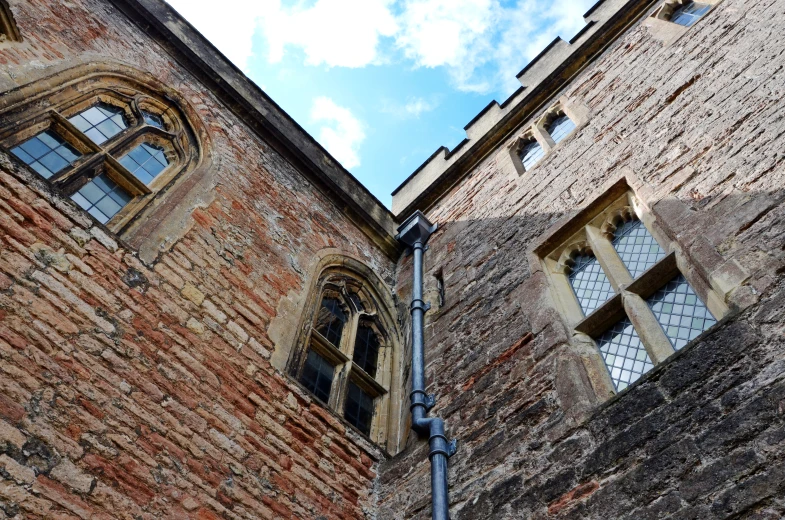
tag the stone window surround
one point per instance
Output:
(661, 28)
(19, 124)
(337, 272)
(716, 285)
(8, 29)
(536, 131)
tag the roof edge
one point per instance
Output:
(542, 78)
(256, 109)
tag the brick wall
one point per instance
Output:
(697, 128)
(133, 390)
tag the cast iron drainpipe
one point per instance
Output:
(414, 233)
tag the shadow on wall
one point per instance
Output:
(531, 446)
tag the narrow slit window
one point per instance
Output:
(560, 128)
(589, 282)
(366, 349)
(359, 408)
(46, 153)
(330, 320)
(102, 198)
(689, 13)
(624, 354)
(681, 313)
(531, 153)
(317, 376)
(636, 247)
(145, 161)
(100, 122)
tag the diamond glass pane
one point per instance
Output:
(102, 198)
(46, 153)
(560, 128)
(317, 376)
(359, 408)
(680, 312)
(689, 13)
(145, 162)
(636, 247)
(589, 282)
(366, 349)
(153, 120)
(330, 320)
(100, 123)
(624, 354)
(531, 153)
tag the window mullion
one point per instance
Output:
(603, 249)
(648, 328)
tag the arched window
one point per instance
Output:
(531, 153)
(589, 282)
(346, 356)
(111, 145)
(560, 127)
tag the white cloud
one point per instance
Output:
(481, 43)
(230, 26)
(411, 109)
(338, 33)
(341, 134)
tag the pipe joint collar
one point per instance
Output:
(420, 398)
(418, 304)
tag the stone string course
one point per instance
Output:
(698, 129)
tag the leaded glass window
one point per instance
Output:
(629, 295)
(330, 320)
(689, 13)
(317, 376)
(46, 153)
(624, 354)
(636, 247)
(349, 344)
(680, 312)
(359, 408)
(366, 349)
(589, 282)
(531, 153)
(102, 198)
(100, 122)
(560, 128)
(145, 161)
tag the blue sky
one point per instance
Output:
(382, 84)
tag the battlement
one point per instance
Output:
(540, 80)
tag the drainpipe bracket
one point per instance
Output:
(430, 401)
(452, 447)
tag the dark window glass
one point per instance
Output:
(689, 13)
(636, 247)
(359, 409)
(624, 354)
(317, 376)
(680, 312)
(560, 128)
(46, 153)
(153, 119)
(145, 162)
(357, 301)
(102, 198)
(366, 349)
(100, 123)
(589, 282)
(330, 320)
(530, 154)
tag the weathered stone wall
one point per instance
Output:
(697, 128)
(132, 390)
